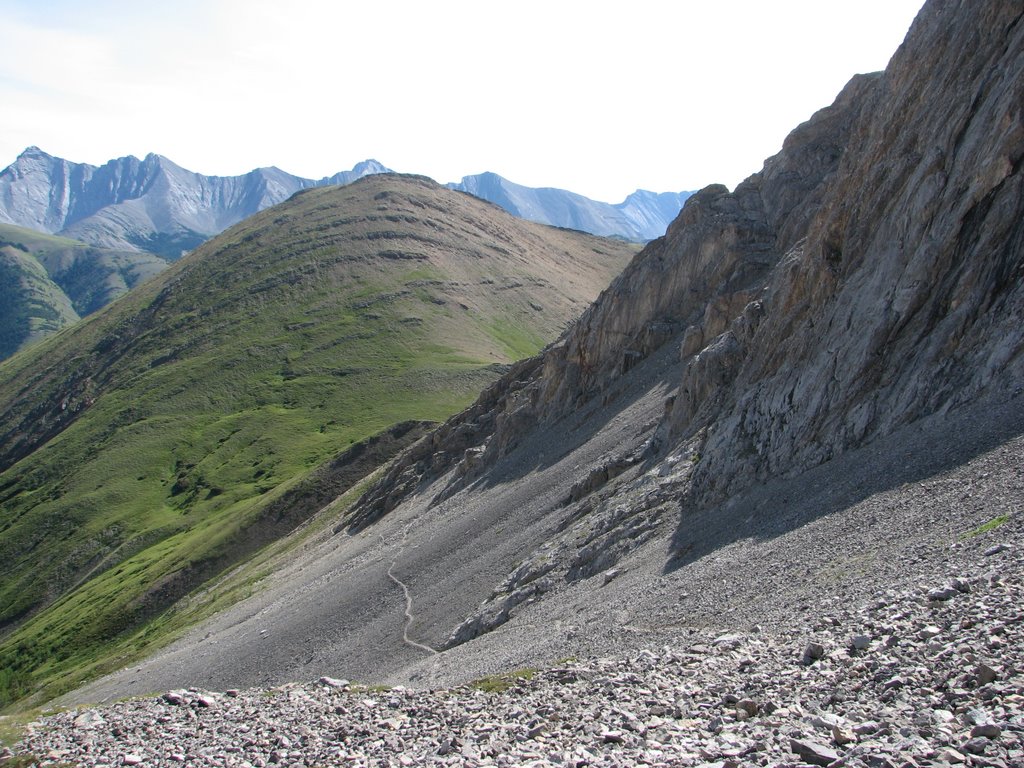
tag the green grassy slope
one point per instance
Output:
(49, 282)
(141, 447)
(32, 306)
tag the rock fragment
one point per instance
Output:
(986, 674)
(941, 594)
(333, 682)
(860, 642)
(813, 752)
(812, 652)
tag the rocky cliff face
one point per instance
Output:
(901, 295)
(150, 204)
(640, 217)
(868, 277)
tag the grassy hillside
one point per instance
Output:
(147, 448)
(32, 306)
(48, 282)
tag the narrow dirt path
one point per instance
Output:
(409, 616)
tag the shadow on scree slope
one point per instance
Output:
(923, 449)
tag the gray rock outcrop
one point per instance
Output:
(868, 276)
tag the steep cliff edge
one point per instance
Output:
(904, 298)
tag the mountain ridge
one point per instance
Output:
(155, 205)
(642, 216)
(160, 211)
(151, 204)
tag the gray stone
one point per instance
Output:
(951, 756)
(986, 730)
(962, 586)
(813, 752)
(941, 594)
(860, 642)
(976, 746)
(866, 728)
(611, 574)
(812, 652)
(826, 720)
(333, 682)
(843, 736)
(89, 719)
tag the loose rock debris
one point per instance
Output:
(904, 680)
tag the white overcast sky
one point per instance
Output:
(597, 97)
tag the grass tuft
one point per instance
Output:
(991, 525)
(502, 682)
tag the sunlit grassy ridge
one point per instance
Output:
(140, 447)
(48, 282)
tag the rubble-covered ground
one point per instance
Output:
(923, 677)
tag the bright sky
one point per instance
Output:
(597, 97)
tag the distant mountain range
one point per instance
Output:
(640, 217)
(124, 221)
(157, 206)
(149, 205)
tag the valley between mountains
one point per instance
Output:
(207, 414)
(760, 504)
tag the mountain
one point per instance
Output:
(640, 217)
(50, 282)
(135, 215)
(142, 205)
(159, 211)
(231, 397)
(156, 206)
(32, 306)
(803, 401)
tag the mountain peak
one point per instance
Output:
(34, 153)
(370, 166)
